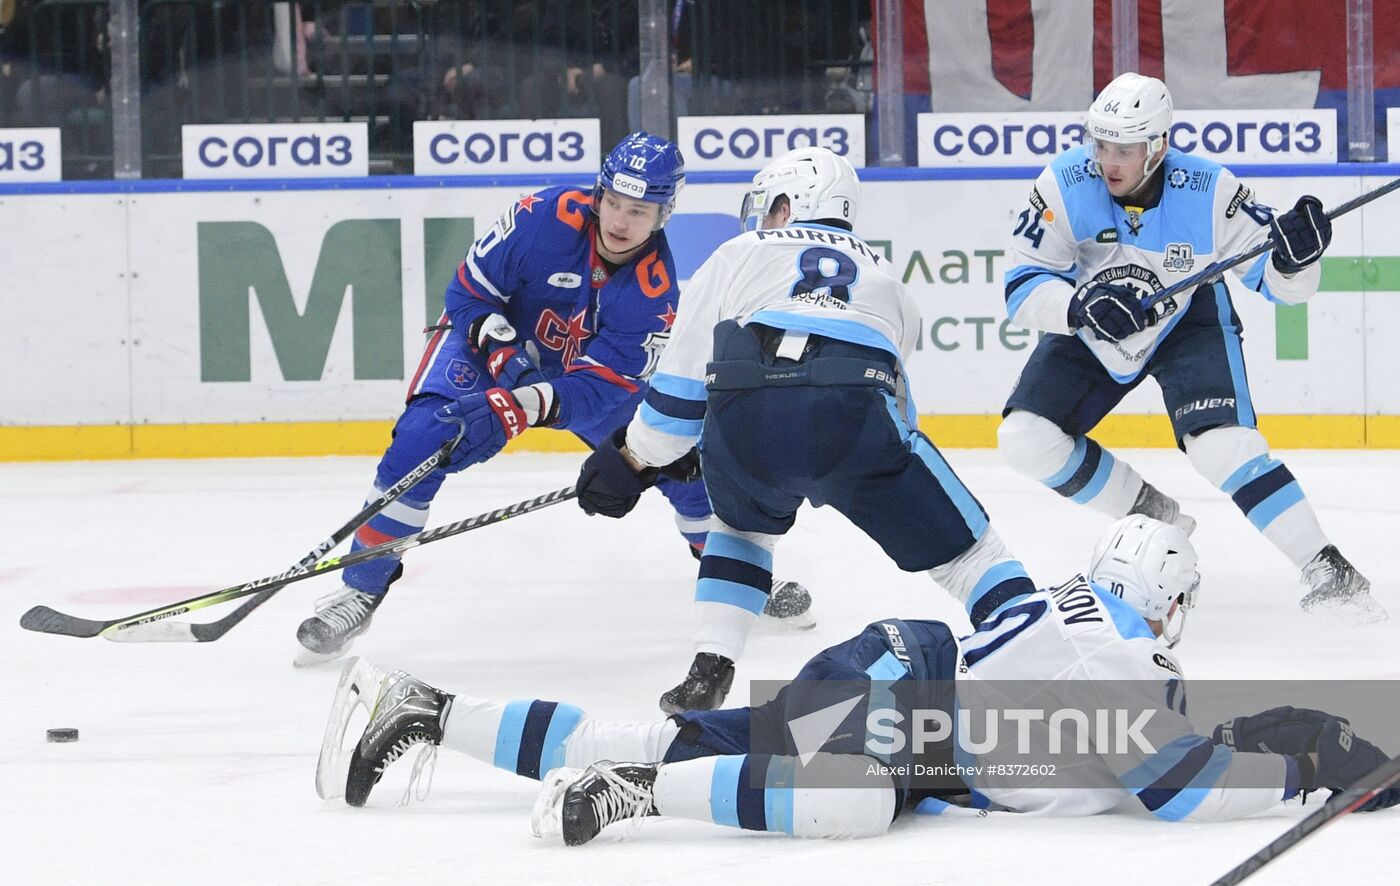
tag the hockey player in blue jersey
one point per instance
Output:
(1111, 222)
(1098, 633)
(789, 354)
(555, 318)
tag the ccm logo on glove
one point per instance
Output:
(509, 413)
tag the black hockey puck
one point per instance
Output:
(63, 735)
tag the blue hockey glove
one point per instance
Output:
(1344, 758)
(685, 469)
(1300, 235)
(506, 359)
(1111, 311)
(607, 484)
(1284, 730)
(1326, 751)
(488, 420)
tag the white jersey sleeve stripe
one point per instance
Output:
(676, 427)
(679, 386)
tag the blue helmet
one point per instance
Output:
(645, 167)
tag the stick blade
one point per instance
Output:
(50, 621)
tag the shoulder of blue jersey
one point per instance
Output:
(1190, 176)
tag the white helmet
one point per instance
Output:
(1151, 566)
(818, 184)
(1132, 109)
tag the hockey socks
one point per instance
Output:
(1265, 491)
(736, 576)
(984, 578)
(530, 737)
(757, 792)
(400, 518)
(1075, 467)
(1237, 460)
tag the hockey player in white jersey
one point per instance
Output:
(1107, 224)
(788, 350)
(1095, 636)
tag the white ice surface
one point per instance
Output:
(196, 762)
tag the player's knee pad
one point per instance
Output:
(1033, 445)
(1217, 453)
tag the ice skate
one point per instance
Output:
(577, 805)
(403, 712)
(1152, 503)
(789, 606)
(1336, 588)
(340, 618)
(704, 688)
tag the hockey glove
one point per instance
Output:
(1327, 753)
(1344, 758)
(506, 358)
(1300, 235)
(1285, 730)
(607, 484)
(1111, 311)
(685, 469)
(488, 419)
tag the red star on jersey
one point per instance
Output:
(668, 318)
(527, 203)
(577, 333)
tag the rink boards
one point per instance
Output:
(275, 318)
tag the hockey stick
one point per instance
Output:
(1382, 777)
(1215, 269)
(152, 626)
(49, 621)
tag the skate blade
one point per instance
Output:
(360, 682)
(305, 658)
(547, 816)
(804, 621)
(1349, 613)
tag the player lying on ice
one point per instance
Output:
(1109, 633)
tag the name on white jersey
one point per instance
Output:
(1078, 603)
(831, 238)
